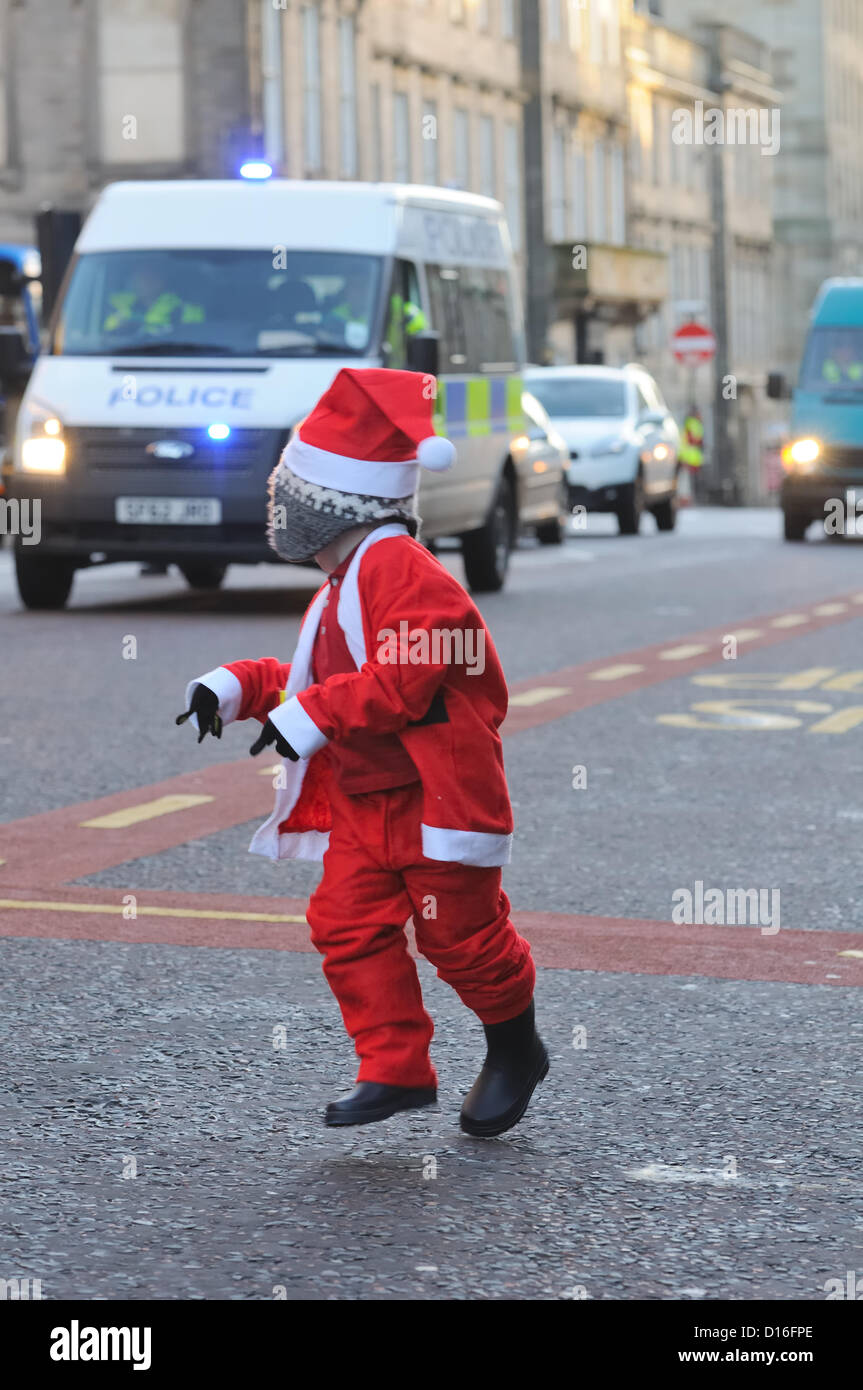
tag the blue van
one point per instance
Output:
(823, 461)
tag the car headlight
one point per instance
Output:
(42, 448)
(802, 454)
(612, 445)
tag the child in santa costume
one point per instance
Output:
(393, 765)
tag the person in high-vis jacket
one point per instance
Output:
(149, 307)
(691, 450)
(393, 767)
(842, 367)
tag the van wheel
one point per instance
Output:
(203, 576)
(665, 513)
(486, 552)
(630, 507)
(43, 581)
(795, 526)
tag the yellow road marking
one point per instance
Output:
(539, 694)
(682, 653)
(270, 771)
(858, 598)
(115, 908)
(858, 955)
(849, 680)
(840, 722)
(825, 609)
(147, 810)
(745, 634)
(615, 673)
(789, 620)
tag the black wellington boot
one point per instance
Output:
(372, 1100)
(515, 1062)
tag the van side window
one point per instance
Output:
(404, 314)
(488, 320)
(445, 301)
(470, 309)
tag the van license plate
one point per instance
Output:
(168, 511)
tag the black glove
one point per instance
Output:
(205, 704)
(269, 735)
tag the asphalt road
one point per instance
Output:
(697, 1136)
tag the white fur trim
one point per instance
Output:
(225, 687)
(474, 847)
(349, 474)
(311, 844)
(299, 728)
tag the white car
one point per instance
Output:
(623, 442)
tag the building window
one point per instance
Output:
(487, 157)
(461, 147)
(507, 18)
(482, 16)
(575, 10)
(348, 97)
(656, 132)
(512, 182)
(558, 184)
(552, 11)
(579, 189)
(313, 140)
(401, 138)
(376, 161)
(456, 11)
(599, 229)
(616, 188)
(431, 167)
(141, 97)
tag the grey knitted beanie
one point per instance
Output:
(303, 518)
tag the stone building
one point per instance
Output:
(95, 90)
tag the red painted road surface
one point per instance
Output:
(48, 850)
(559, 942)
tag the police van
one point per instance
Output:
(200, 321)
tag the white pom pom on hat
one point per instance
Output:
(436, 453)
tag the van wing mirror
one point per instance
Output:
(423, 352)
(13, 354)
(11, 278)
(777, 387)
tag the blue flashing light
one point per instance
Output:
(256, 169)
(218, 431)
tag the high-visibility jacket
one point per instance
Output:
(164, 311)
(692, 445)
(833, 372)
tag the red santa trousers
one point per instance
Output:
(375, 878)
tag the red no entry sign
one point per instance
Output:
(693, 344)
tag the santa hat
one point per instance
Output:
(369, 434)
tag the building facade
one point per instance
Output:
(96, 90)
(817, 60)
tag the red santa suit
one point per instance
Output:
(393, 700)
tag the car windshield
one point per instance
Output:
(258, 303)
(588, 397)
(833, 361)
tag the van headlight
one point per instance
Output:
(41, 447)
(802, 454)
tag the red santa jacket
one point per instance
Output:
(427, 671)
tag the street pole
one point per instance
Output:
(536, 250)
(724, 485)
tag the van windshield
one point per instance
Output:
(833, 361)
(259, 303)
(580, 397)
